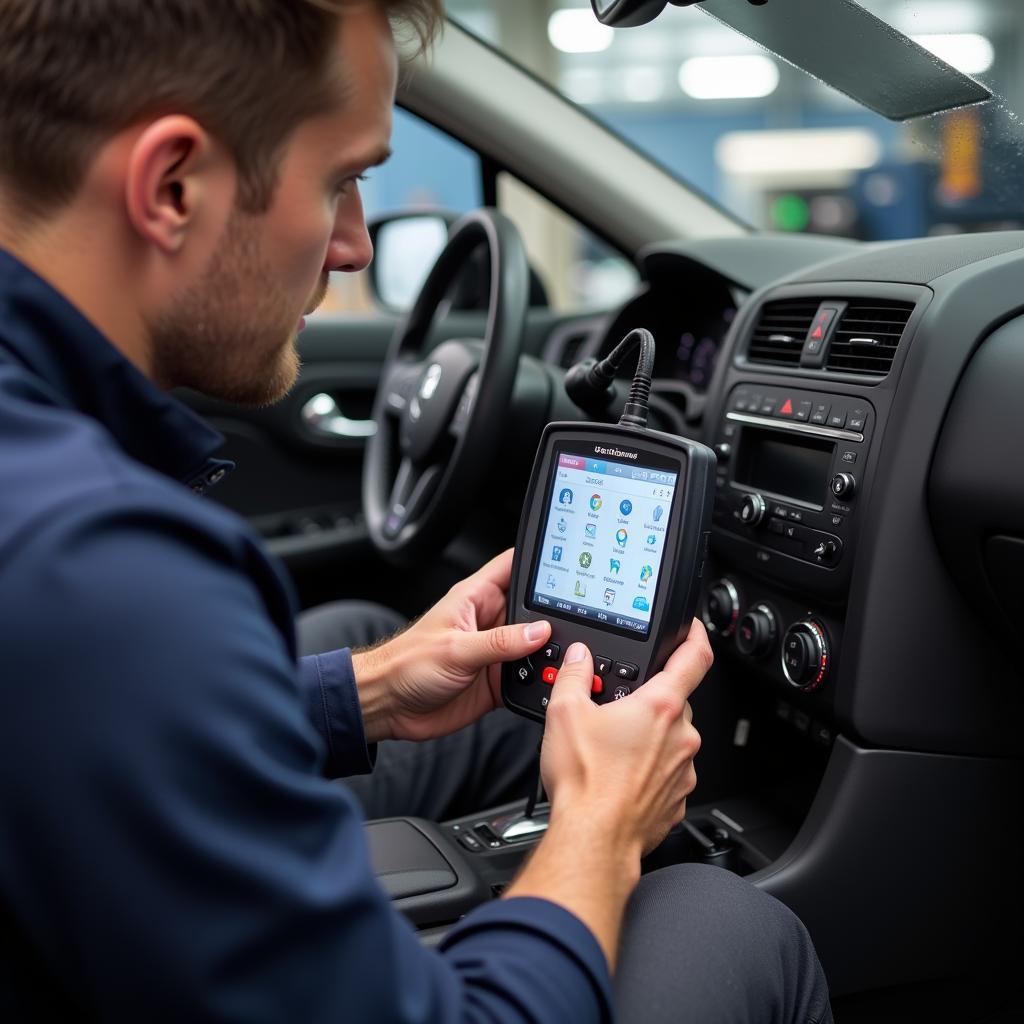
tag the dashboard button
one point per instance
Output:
(819, 413)
(549, 675)
(857, 419)
(624, 670)
(776, 526)
(470, 842)
(602, 666)
(837, 419)
(849, 457)
(796, 515)
(768, 405)
(803, 411)
(597, 686)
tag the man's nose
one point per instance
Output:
(351, 250)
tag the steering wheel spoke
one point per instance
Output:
(399, 387)
(464, 410)
(412, 490)
(440, 407)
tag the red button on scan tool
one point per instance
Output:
(550, 674)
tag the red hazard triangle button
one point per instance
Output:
(787, 408)
(817, 334)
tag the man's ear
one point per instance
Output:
(175, 180)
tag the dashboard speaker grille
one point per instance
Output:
(778, 338)
(868, 335)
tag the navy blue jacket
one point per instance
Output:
(171, 845)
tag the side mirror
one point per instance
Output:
(406, 245)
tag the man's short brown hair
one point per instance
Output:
(75, 72)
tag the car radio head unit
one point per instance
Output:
(611, 549)
(791, 476)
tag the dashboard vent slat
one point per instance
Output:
(785, 318)
(868, 335)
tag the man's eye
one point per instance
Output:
(346, 184)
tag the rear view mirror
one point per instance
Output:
(406, 247)
(627, 13)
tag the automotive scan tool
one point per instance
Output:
(612, 541)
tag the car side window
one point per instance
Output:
(579, 271)
(430, 170)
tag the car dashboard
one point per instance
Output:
(862, 592)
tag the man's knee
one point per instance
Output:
(702, 944)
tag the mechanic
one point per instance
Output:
(177, 178)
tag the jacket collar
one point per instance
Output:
(84, 371)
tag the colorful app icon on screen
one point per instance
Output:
(652, 539)
(590, 530)
(595, 502)
(585, 559)
(646, 573)
(562, 525)
(614, 565)
(556, 554)
(581, 590)
(625, 506)
(658, 513)
(565, 496)
(640, 604)
(551, 582)
(609, 596)
(621, 536)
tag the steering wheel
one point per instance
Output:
(438, 414)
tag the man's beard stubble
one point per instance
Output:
(231, 336)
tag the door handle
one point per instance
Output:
(323, 417)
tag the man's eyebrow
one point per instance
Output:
(379, 157)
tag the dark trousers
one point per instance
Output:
(699, 943)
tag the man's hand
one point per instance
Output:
(444, 672)
(630, 761)
(618, 776)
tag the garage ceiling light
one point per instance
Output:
(968, 52)
(576, 30)
(802, 152)
(720, 78)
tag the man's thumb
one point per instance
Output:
(506, 643)
(577, 669)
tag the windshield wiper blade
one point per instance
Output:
(848, 48)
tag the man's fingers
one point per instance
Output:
(689, 662)
(505, 643)
(577, 671)
(498, 571)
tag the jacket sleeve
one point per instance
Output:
(327, 684)
(171, 847)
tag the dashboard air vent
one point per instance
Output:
(779, 335)
(867, 336)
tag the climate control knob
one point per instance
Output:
(757, 631)
(805, 655)
(722, 608)
(752, 509)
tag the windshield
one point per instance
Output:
(775, 146)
